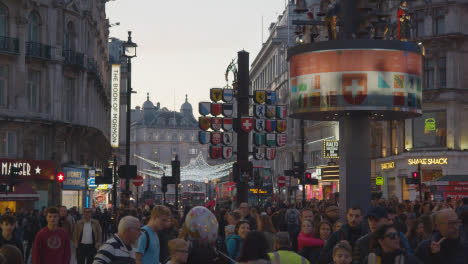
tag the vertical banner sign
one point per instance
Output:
(115, 105)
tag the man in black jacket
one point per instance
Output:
(351, 231)
(445, 246)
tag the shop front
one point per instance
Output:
(73, 187)
(328, 182)
(437, 168)
(31, 189)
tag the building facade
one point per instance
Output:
(54, 94)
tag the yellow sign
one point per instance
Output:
(387, 165)
(379, 181)
(428, 161)
(103, 187)
(256, 191)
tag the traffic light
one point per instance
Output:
(414, 179)
(298, 169)
(164, 183)
(309, 180)
(128, 171)
(176, 170)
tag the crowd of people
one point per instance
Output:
(389, 232)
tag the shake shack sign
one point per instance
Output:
(330, 149)
(37, 169)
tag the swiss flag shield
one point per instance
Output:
(354, 87)
(247, 124)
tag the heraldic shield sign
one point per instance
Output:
(270, 98)
(259, 125)
(228, 95)
(259, 139)
(216, 138)
(216, 123)
(259, 111)
(259, 97)
(227, 152)
(215, 152)
(228, 109)
(247, 124)
(270, 153)
(204, 108)
(216, 94)
(270, 125)
(281, 140)
(204, 137)
(204, 123)
(281, 111)
(216, 109)
(227, 124)
(280, 126)
(227, 138)
(271, 139)
(270, 111)
(259, 153)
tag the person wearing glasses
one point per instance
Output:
(445, 245)
(385, 248)
(87, 237)
(179, 250)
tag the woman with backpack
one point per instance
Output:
(234, 242)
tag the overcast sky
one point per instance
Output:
(185, 46)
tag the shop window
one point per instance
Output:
(429, 73)
(430, 130)
(442, 69)
(34, 83)
(3, 84)
(439, 21)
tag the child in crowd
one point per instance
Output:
(178, 249)
(342, 253)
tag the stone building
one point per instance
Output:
(54, 88)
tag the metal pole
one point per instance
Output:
(127, 148)
(420, 183)
(114, 187)
(302, 161)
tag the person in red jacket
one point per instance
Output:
(52, 244)
(309, 246)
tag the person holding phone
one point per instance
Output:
(445, 245)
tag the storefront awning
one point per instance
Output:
(23, 192)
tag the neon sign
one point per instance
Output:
(428, 161)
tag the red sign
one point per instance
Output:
(138, 181)
(354, 87)
(60, 177)
(455, 195)
(281, 181)
(100, 199)
(31, 169)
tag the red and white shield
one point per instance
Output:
(216, 109)
(281, 140)
(354, 87)
(216, 138)
(227, 124)
(215, 152)
(227, 152)
(270, 153)
(247, 124)
(204, 122)
(216, 123)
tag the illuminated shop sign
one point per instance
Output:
(428, 161)
(387, 165)
(115, 105)
(330, 149)
(38, 169)
(257, 191)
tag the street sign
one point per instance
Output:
(60, 177)
(281, 181)
(138, 181)
(92, 183)
(379, 181)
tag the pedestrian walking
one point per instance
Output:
(52, 244)
(179, 250)
(87, 238)
(234, 242)
(284, 253)
(8, 225)
(118, 249)
(254, 249)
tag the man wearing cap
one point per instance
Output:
(376, 217)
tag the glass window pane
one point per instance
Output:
(11, 144)
(430, 130)
(442, 72)
(34, 27)
(3, 21)
(440, 26)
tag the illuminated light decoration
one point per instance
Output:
(115, 105)
(429, 161)
(331, 149)
(60, 177)
(387, 165)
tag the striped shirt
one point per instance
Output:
(114, 251)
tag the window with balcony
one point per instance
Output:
(33, 27)
(3, 21)
(3, 84)
(442, 70)
(419, 23)
(429, 73)
(8, 144)
(68, 94)
(430, 130)
(33, 89)
(439, 21)
(69, 36)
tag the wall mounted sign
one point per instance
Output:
(429, 161)
(387, 165)
(37, 169)
(115, 105)
(331, 149)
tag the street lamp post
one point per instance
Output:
(129, 52)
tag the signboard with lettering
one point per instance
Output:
(330, 149)
(31, 169)
(74, 179)
(387, 165)
(115, 105)
(429, 161)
